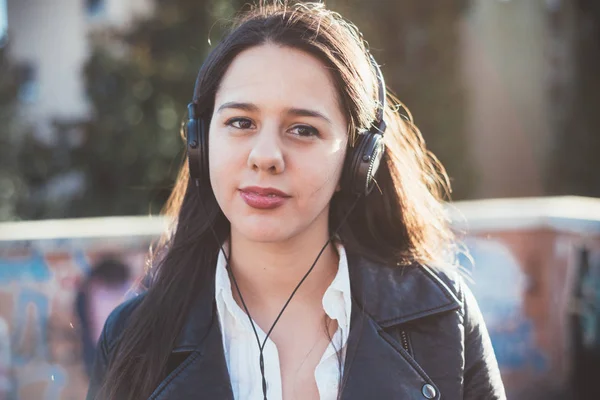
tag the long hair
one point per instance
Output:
(402, 221)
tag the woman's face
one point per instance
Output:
(277, 144)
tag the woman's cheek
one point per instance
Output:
(220, 180)
(322, 182)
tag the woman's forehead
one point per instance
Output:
(275, 76)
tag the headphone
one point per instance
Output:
(360, 166)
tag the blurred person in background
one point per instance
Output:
(309, 257)
(100, 292)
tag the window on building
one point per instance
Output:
(28, 83)
(95, 7)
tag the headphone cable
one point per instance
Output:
(246, 310)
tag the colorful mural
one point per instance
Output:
(38, 287)
(511, 330)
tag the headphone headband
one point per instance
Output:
(379, 122)
(363, 160)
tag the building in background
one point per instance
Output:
(49, 40)
(518, 70)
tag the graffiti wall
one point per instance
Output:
(39, 281)
(523, 270)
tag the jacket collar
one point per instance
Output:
(390, 295)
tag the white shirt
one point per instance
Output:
(241, 348)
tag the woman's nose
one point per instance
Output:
(266, 153)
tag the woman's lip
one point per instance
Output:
(264, 191)
(262, 201)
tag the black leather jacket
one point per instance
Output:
(416, 333)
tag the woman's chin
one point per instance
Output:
(265, 231)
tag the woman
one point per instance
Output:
(286, 275)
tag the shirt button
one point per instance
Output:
(428, 391)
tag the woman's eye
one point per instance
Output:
(240, 123)
(304, 131)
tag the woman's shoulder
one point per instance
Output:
(452, 277)
(457, 281)
(117, 320)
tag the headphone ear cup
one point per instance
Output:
(193, 149)
(203, 135)
(197, 150)
(362, 163)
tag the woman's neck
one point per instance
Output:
(267, 273)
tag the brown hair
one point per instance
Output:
(402, 221)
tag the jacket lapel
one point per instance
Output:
(376, 365)
(203, 375)
(203, 372)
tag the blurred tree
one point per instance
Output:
(10, 182)
(13, 137)
(574, 165)
(124, 158)
(139, 83)
(417, 44)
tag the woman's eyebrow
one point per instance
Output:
(238, 106)
(303, 112)
(250, 107)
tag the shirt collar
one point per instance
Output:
(337, 300)
(222, 281)
(224, 290)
